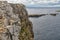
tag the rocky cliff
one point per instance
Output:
(14, 22)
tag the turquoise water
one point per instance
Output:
(46, 27)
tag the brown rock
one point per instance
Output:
(26, 32)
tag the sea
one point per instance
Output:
(45, 27)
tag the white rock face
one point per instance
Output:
(9, 21)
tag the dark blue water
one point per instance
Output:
(46, 27)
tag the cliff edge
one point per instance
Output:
(14, 22)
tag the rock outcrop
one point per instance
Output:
(14, 22)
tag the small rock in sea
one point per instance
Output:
(53, 14)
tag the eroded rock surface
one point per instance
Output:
(14, 22)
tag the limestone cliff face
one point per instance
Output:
(14, 22)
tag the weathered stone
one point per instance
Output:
(26, 32)
(14, 20)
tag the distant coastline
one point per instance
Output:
(41, 7)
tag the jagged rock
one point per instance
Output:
(26, 32)
(14, 19)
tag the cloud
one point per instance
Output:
(33, 1)
(37, 2)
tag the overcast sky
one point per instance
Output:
(37, 2)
